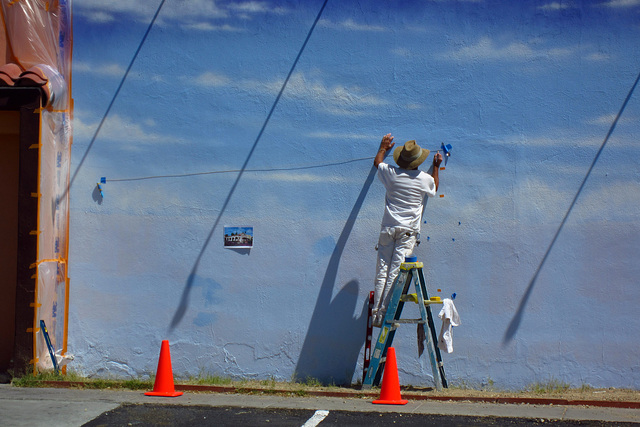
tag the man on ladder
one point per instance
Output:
(406, 188)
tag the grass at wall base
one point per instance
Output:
(552, 388)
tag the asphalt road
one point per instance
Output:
(176, 415)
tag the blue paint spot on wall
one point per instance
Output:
(204, 319)
(210, 289)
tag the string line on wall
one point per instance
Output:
(276, 169)
(445, 148)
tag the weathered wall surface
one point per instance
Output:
(537, 231)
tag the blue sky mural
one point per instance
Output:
(524, 91)
(429, 71)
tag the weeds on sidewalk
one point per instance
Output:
(552, 388)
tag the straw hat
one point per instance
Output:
(410, 155)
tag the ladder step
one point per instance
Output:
(414, 298)
(419, 321)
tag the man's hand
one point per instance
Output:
(385, 145)
(437, 159)
(387, 142)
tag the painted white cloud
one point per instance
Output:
(487, 49)
(256, 7)
(301, 177)
(194, 14)
(303, 87)
(608, 119)
(543, 203)
(351, 25)
(621, 3)
(250, 6)
(210, 79)
(533, 200)
(110, 70)
(332, 135)
(128, 133)
(336, 99)
(561, 138)
(207, 26)
(105, 12)
(621, 197)
(570, 5)
(100, 17)
(556, 6)
(564, 138)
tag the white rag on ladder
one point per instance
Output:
(450, 318)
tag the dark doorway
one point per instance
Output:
(19, 153)
(9, 162)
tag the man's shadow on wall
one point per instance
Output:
(335, 337)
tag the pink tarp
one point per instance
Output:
(37, 37)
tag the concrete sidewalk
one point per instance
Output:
(73, 407)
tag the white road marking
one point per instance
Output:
(316, 418)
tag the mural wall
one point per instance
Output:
(202, 115)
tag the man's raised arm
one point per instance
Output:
(435, 173)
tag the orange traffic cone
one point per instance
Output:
(390, 393)
(163, 385)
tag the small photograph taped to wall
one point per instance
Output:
(238, 237)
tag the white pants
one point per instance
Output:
(394, 244)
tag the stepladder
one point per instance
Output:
(410, 274)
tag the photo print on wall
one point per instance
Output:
(238, 237)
